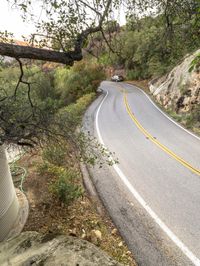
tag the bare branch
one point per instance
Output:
(20, 80)
(108, 44)
(20, 77)
(29, 94)
(81, 38)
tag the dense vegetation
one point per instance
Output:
(148, 47)
(49, 115)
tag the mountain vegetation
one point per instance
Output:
(150, 46)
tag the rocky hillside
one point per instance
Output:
(179, 92)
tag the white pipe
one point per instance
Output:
(9, 205)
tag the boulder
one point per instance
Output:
(32, 248)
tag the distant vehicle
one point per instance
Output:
(117, 78)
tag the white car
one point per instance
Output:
(117, 78)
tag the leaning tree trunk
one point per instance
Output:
(9, 204)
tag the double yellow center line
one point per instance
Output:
(151, 138)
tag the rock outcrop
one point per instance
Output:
(32, 248)
(180, 89)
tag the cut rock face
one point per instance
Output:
(32, 248)
(180, 89)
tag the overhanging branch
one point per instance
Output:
(19, 51)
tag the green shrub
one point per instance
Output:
(132, 74)
(55, 154)
(189, 121)
(65, 188)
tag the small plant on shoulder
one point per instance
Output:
(65, 188)
(65, 185)
(57, 165)
(43, 168)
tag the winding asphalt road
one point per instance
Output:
(153, 194)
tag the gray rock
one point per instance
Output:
(32, 248)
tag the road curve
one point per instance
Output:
(153, 194)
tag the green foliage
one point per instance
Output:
(57, 165)
(64, 21)
(196, 114)
(43, 86)
(133, 74)
(42, 83)
(64, 188)
(192, 120)
(189, 121)
(105, 59)
(42, 168)
(47, 118)
(176, 116)
(55, 154)
(111, 26)
(83, 78)
(195, 64)
(90, 151)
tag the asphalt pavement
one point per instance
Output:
(153, 194)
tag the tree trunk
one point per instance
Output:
(9, 205)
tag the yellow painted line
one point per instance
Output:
(160, 145)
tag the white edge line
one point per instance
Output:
(178, 125)
(143, 203)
